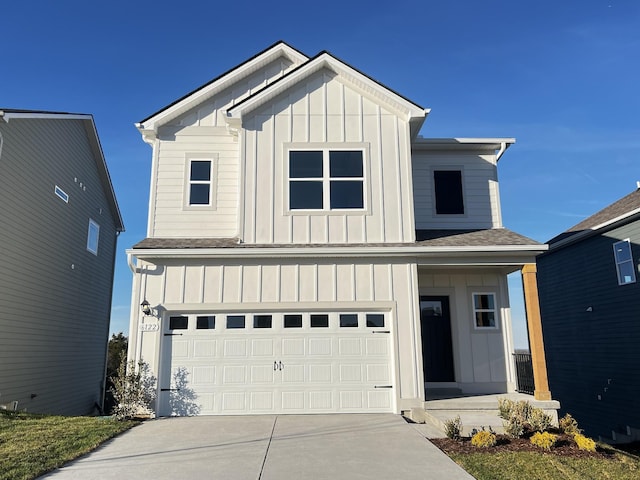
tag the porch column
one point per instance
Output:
(534, 327)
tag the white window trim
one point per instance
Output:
(61, 194)
(209, 157)
(94, 224)
(495, 310)
(626, 241)
(326, 178)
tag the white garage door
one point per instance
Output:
(276, 363)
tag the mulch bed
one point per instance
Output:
(565, 446)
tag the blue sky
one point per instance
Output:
(562, 77)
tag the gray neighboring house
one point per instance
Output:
(590, 304)
(59, 224)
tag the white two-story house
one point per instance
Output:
(309, 252)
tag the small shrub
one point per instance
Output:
(133, 389)
(453, 427)
(584, 443)
(544, 440)
(539, 421)
(483, 439)
(569, 425)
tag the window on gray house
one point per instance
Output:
(624, 262)
(448, 190)
(93, 237)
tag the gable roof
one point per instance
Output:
(187, 102)
(412, 112)
(620, 212)
(7, 114)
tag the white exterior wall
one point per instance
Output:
(479, 186)
(481, 356)
(323, 111)
(298, 286)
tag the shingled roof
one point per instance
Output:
(623, 209)
(424, 238)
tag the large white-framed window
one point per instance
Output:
(200, 176)
(485, 312)
(624, 262)
(326, 179)
(93, 236)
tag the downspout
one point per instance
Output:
(503, 148)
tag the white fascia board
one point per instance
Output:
(452, 143)
(223, 82)
(44, 115)
(311, 252)
(402, 106)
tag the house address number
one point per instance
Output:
(149, 327)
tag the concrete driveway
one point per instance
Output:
(268, 447)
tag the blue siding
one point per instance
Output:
(592, 356)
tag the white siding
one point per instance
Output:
(295, 286)
(170, 218)
(480, 190)
(480, 355)
(323, 111)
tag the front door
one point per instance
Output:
(437, 349)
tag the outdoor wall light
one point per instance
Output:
(146, 307)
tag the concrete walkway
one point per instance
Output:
(268, 447)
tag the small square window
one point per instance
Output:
(235, 321)
(93, 236)
(319, 320)
(348, 320)
(206, 322)
(178, 323)
(375, 320)
(262, 321)
(293, 321)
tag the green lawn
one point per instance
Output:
(541, 466)
(31, 445)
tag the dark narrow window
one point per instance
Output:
(200, 182)
(319, 320)
(206, 322)
(375, 320)
(448, 189)
(262, 321)
(293, 321)
(305, 184)
(348, 319)
(624, 262)
(178, 323)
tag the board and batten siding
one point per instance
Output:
(480, 361)
(55, 296)
(324, 112)
(591, 328)
(479, 189)
(293, 285)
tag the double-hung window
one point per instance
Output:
(624, 262)
(93, 236)
(200, 178)
(484, 310)
(326, 179)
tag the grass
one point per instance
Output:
(31, 445)
(541, 466)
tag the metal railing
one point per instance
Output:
(524, 372)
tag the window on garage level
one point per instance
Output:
(326, 179)
(319, 320)
(448, 192)
(375, 320)
(207, 322)
(178, 323)
(624, 262)
(262, 321)
(293, 321)
(235, 321)
(348, 320)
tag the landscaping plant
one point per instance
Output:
(544, 440)
(134, 390)
(584, 443)
(483, 439)
(453, 428)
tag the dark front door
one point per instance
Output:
(437, 350)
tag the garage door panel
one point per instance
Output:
(298, 369)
